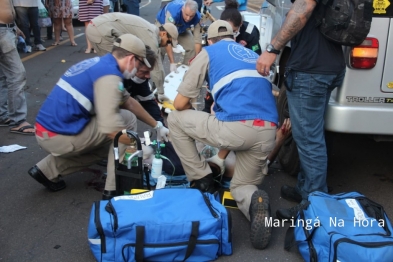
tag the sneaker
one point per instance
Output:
(292, 212)
(260, 211)
(28, 49)
(39, 47)
(37, 174)
(205, 184)
(289, 193)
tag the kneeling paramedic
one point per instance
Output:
(245, 121)
(86, 109)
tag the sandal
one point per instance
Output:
(22, 129)
(55, 43)
(5, 122)
(87, 51)
(74, 44)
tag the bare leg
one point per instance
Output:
(89, 45)
(70, 30)
(57, 29)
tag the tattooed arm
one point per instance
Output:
(297, 17)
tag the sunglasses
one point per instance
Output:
(140, 61)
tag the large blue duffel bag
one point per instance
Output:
(342, 227)
(170, 224)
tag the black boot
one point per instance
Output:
(109, 194)
(37, 174)
(260, 211)
(289, 193)
(205, 184)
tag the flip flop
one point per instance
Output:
(74, 44)
(55, 43)
(5, 123)
(22, 129)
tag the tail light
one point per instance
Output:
(364, 56)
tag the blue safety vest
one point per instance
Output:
(174, 9)
(239, 91)
(70, 105)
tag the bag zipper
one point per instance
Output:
(111, 210)
(209, 205)
(97, 222)
(229, 225)
(313, 253)
(364, 244)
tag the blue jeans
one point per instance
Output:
(12, 79)
(132, 6)
(308, 96)
(28, 17)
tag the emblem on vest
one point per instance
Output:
(243, 54)
(81, 67)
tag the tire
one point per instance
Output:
(288, 155)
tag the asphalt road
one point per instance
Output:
(38, 225)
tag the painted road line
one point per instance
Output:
(49, 48)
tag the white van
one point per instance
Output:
(364, 103)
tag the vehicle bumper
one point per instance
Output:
(373, 119)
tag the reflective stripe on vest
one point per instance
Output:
(235, 75)
(82, 100)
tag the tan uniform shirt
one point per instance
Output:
(109, 95)
(7, 12)
(195, 76)
(113, 25)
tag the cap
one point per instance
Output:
(134, 45)
(172, 30)
(215, 26)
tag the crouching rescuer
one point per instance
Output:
(245, 121)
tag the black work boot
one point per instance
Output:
(260, 211)
(37, 174)
(109, 194)
(289, 193)
(205, 184)
(291, 213)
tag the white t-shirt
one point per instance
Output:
(105, 2)
(26, 3)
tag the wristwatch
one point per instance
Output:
(270, 49)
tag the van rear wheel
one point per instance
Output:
(288, 155)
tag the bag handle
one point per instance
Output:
(193, 239)
(140, 240)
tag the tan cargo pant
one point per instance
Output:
(104, 44)
(251, 144)
(69, 154)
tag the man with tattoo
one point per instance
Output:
(315, 67)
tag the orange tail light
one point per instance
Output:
(364, 56)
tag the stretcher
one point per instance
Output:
(171, 83)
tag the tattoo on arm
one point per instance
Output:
(296, 19)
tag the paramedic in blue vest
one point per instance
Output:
(185, 16)
(87, 108)
(242, 3)
(246, 34)
(245, 121)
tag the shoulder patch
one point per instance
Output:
(120, 86)
(170, 19)
(255, 47)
